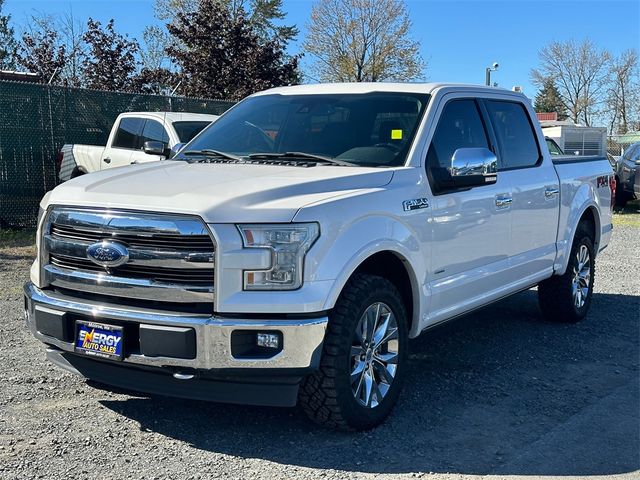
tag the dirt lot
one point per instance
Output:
(498, 392)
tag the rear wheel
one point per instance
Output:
(363, 360)
(566, 298)
(77, 173)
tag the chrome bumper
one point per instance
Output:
(302, 338)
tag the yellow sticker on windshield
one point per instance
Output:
(396, 134)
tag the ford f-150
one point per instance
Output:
(289, 251)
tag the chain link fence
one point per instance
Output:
(37, 120)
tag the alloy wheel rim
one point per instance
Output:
(374, 355)
(581, 277)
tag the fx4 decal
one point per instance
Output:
(415, 204)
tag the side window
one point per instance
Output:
(631, 150)
(460, 126)
(514, 133)
(128, 134)
(154, 132)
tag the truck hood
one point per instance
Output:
(219, 193)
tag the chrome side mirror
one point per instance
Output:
(154, 148)
(472, 167)
(176, 149)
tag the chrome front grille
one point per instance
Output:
(175, 242)
(160, 274)
(170, 257)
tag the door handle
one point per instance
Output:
(503, 201)
(106, 160)
(551, 192)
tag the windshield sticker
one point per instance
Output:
(396, 134)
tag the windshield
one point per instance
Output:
(187, 130)
(372, 129)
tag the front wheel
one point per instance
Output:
(363, 359)
(566, 298)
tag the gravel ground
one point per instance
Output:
(498, 392)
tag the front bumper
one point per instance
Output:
(213, 362)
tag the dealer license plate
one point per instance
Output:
(99, 340)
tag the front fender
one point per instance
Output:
(345, 247)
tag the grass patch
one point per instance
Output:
(17, 238)
(629, 215)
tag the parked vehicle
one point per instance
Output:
(291, 249)
(136, 137)
(627, 170)
(553, 147)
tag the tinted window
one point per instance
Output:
(367, 129)
(128, 134)
(154, 131)
(187, 130)
(631, 150)
(554, 149)
(515, 134)
(460, 126)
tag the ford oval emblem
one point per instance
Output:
(108, 254)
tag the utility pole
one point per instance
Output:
(487, 73)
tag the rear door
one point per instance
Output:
(535, 189)
(123, 142)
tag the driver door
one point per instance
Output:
(470, 227)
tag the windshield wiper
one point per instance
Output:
(207, 152)
(296, 155)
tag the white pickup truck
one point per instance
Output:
(136, 137)
(289, 252)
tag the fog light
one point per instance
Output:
(269, 340)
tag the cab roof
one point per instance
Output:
(368, 87)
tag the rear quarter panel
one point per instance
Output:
(584, 184)
(85, 157)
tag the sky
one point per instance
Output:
(459, 39)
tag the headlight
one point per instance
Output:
(289, 245)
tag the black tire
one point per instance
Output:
(77, 173)
(621, 196)
(327, 396)
(556, 295)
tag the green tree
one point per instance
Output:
(548, 100)
(362, 41)
(223, 56)
(110, 63)
(8, 44)
(264, 15)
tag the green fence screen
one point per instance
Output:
(37, 120)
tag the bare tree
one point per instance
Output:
(580, 71)
(155, 42)
(362, 41)
(623, 95)
(72, 33)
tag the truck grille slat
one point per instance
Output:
(168, 274)
(176, 242)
